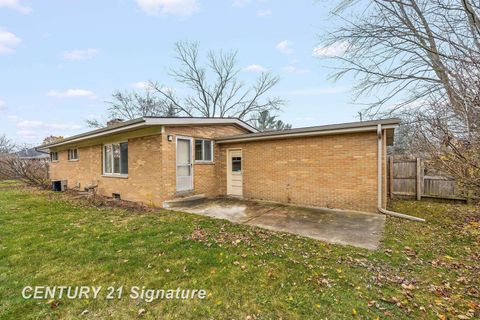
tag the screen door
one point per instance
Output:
(184, 164)
(235, 173)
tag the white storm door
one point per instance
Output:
(184, 164)
(235, 173)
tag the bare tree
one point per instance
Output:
(128, 105)
(33, 172)
(6, 145)
(51, 139)
(265, 121)
(214, 88)
(95, 123)
(408, 48)
(442, 135)
(131, 105)
(419, 59)
(12, 166)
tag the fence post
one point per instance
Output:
(390, 177)
(419, 179)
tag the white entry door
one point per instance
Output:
(184, 164)
(235, 173)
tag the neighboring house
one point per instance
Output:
(32, 154)
(155, 159)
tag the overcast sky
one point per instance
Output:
(61, 60)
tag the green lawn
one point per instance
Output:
(428, 270)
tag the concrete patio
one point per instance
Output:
(358, 229)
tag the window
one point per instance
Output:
(54, 156)
(72, 154)
(115, 159)
(203, 150)
(236, 164)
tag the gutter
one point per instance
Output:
(148, 121)
(44, 152)
(379, 182)
(283, 135)
(99, 133)
(182, 121)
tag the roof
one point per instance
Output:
(31, 153)
(363, 126)
(148, 121)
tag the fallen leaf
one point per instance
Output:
(408, 287)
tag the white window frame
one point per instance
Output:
(203, 151)
(68, 154)
(241, 165)
(51, 156)
(107, 174)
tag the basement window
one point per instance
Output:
(203, 150)
(115, 159)
(53, 156)
(72, 154)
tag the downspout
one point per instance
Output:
(379, 182)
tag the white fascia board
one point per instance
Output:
(198, 121)
(96, 135)
(306, 134)
(155, 122)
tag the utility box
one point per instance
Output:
(59, 185)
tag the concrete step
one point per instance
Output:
(186, 201)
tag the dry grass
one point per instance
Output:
(421, 270)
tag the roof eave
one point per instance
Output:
(83, 137)
(147, 121)
(199, 121)
(287, 135)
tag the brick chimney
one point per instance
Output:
(113, 122)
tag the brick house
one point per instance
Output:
(154, 159)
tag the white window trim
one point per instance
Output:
(241, 164)
(203, 151)
(58, 157)
(106, 174)
(68, 154)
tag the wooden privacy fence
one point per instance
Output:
(406, 178)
